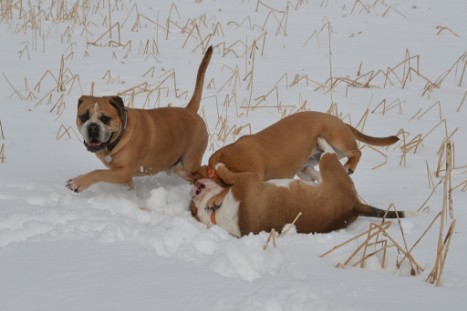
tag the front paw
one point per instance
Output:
(77, 184)
(215, 202)
(218, 166)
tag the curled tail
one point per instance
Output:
(370, 211)
(375, 141)
(196, 97)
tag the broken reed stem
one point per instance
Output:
(381, 153)
(380, 229)
(330, 60)
(273, 233)
(443, 244)
(422, 236)
(284, 233)
(350, 240)
(2, 136)
(413, 272)
(272, 236)
(462, 102)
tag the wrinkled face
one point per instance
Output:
(201, 192)
(98, 121)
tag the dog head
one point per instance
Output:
(202, 190)
(100, 120)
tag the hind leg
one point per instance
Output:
(353, 159)
(346, 146)
(191, 160)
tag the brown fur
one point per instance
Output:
(154, 140)
(282, 149)
(331, 205)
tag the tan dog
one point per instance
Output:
(252, 205)
(135, 142)
(288, 147)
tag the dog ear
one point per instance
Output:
(80, 101)
(185, 175)
(117, 102)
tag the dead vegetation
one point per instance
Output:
(86, 26)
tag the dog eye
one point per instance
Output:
(105, 119)
(84, 117)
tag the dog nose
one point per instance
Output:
(93, 130)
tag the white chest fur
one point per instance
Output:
(227, 215)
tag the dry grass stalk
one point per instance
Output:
(441, 152)
(15, 91)
(362, 5)
(383, 230)
(394, 104)
(462, 185)
(443, 244)
(436, 104)
(433, 191)
(437, 84)
(373, 231)
(285, 232)
(431, 183)
(2, 153)
(413, 271)
(272, 236)
(59, 106)
(373, 240)
(381, 153)
(351, 239)
(444, 28)
(2, 135)
(462, 102)
(65, 131)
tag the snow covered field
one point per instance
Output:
(394, 66)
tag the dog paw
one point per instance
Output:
(76, 184)
(215, 202)
(218, 166)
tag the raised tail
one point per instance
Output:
(195, 100)
(375, 141)
(370, 211)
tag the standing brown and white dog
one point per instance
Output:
(252, 205)
(288, 147)
(135, 142)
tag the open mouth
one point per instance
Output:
(199, 188)
(94, 145)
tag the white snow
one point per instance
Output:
(110, 248)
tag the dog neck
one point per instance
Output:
(114, 143)
(226, 215)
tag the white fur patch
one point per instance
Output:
(218, 165)
(284, 183)
(227, 215)
(324, 145)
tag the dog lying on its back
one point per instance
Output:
(252, 205)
